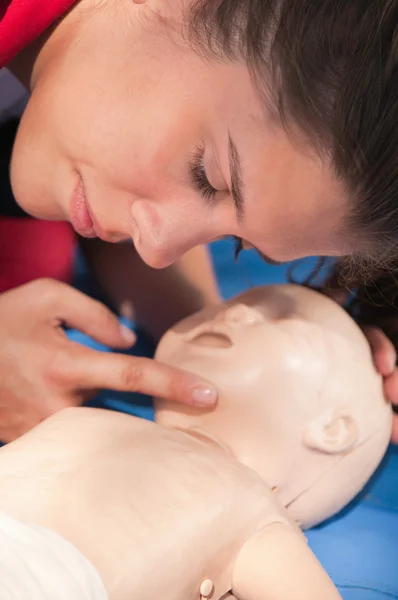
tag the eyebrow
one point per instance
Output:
(235, 168)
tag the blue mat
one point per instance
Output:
(359, 548)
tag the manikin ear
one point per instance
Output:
(336, 431)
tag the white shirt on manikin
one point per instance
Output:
(37, 564)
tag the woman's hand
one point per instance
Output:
(42, 372)
(375, 307)
(385, 357)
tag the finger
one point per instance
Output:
(89, 369)
(391, 387)
(394, 435)
(8, 435)
(14, 425)
(16, 421)
(339, 296)
(384, 354)
(89, 316)
(57, 402)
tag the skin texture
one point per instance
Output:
(141, 103)
(116, 115)
(298, 417)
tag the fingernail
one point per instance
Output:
(204, 396)
(127, 334)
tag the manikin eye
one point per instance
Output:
(212, 340)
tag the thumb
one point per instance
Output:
(339, 296)
(76, 310)
(383, 350)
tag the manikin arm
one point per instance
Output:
(277, 565)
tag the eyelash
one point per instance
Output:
(207, 191)
(238, 242)
(199, 177)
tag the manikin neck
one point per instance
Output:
(285, 493)
(198, 433)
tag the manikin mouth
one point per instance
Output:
(212, 339)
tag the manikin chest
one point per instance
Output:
(157, 512)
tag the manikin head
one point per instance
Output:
(300, 401)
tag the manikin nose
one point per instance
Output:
(242, 314)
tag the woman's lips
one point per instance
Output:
(82, 218)
(79, 214)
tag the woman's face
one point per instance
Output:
(131, 134)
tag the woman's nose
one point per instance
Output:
(169, 230)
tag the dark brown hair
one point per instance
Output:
(331, 69)
(372, 303)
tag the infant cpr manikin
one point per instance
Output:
(205, 504)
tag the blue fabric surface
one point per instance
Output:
(359, 548)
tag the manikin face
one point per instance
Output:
(129, 133)
(296, 382)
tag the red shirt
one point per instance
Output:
(28, 248)
(22, 21)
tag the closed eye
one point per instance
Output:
(198, 176)
(238, 246)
